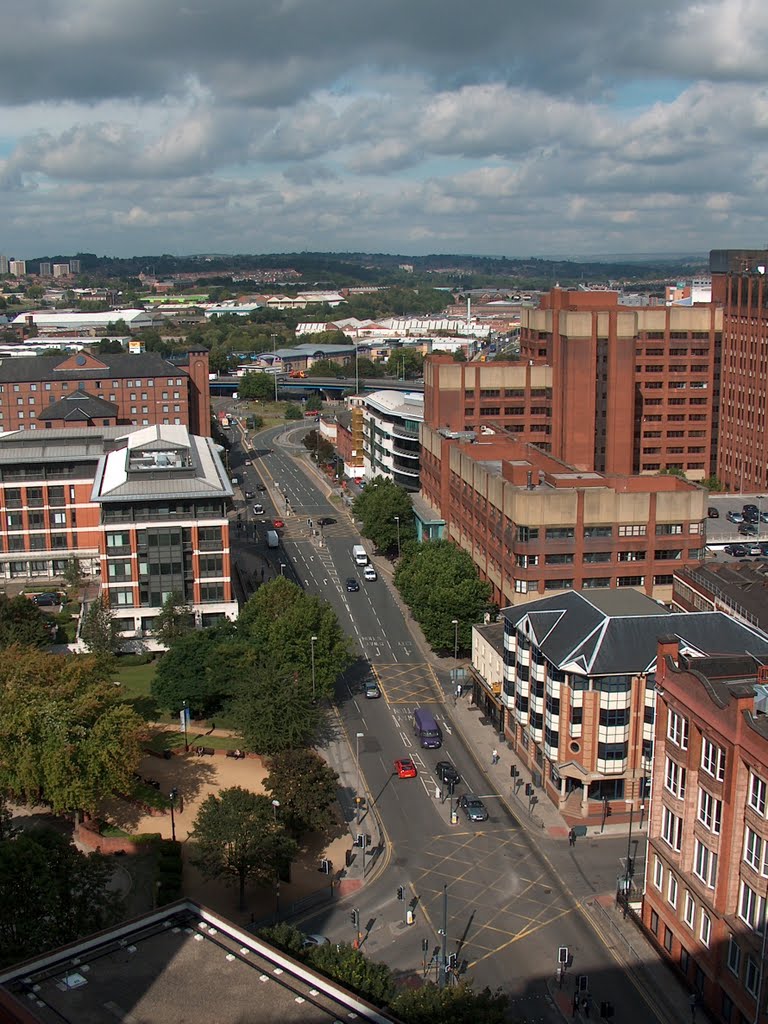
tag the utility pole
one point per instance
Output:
(444, 947)
(274, 361)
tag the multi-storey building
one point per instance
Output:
(108, 390)
(737, 588)
(533, 524)
(577, 694)
(349, 441)
(144, 510)
(17, 268)
(391, 421)
(706, 881)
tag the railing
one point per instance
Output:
(713, 589)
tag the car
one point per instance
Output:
(755, 550)
(261, 488)
(736, 550)
(278, 524)
(445, 771)
(249, 495)
(473, 807)
(372, 691)
(764, 548)
(315, 940)
(352, 585)
(748, 530)
(734, 517)
(405, 768)
(46, 600)
(764, 517)
(258, 509)
(326, 521)
(712, 512)
(751, 513)
(369, 573)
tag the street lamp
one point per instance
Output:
(172, 797)
(275, 805)
(185, 718)
(313, 641)
(282, 568)
(455, 639)
(358, 737)
(397, 520)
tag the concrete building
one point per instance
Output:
(576, 697)
(44, 270)
(533, 524)
(740, 589)
(61, 270)
(704, 904)
(3, 264)
(94, 323)
(17, 268)
(45, 392)
(391, 422)
(349, 441)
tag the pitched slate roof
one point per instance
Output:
(616, 632)
(35, 368)
(80, 407)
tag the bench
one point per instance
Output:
(235, 753)
(205, 751)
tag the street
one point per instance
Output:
(512, 899)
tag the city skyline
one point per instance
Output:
(586, 128)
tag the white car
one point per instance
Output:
(369, 573)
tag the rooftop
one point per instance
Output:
(741, 586)
(409, 404)
(84, 366)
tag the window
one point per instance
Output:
(713, 759)
(658, 873)
(632, 531)
(751, 907)
(671, 829)
(756, 798)
(674, 778)
(630, 581)
(751, 976)
(689, 909)
(558, 584)
(527, 533)
(753, 851)
(734, 956)
(677, 730)
(704, 864)
(668, 529)
(612, 751)
(668, 939)
(559, 533)
(672, 890)
(614, 717)
(705, 929)
(597, 531)
(710, 811)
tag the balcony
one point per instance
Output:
(398, 430)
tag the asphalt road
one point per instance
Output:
(511, 901)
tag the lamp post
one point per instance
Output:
(275, 806)
(358, 737)
(172, 797)
(397, 520)
(455, 639)
(282, 568)
(313, 641)
(185, 716)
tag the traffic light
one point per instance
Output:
(325, 866)
(606, 1010)
(348, 857)
(608, 811)
(452, 961)
(562, 954)
(355, 918)
(528, 789)
(513, 771)
(582, 982)
(400, 892)
(359, 839)
(366, 840)
(451, 786)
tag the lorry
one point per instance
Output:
(273, 541)
(359, 554)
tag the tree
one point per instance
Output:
(317, 446)
(353, 969)
(458, 1004)
(257, 387)
(191, 671)
(379, 507)
(327, 368)
(286, 937)
(306, 788)
(100, 631)
(406, 363)
(239, 838)
(175, 619)
(274, 709)
(51, 894)
(367, 368)
(293, 412)
(439, 583)
(22, 622)
(66, 737)
(711, 483)
(314, 403)
(73, 572)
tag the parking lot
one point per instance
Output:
(721, 531)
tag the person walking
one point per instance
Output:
(575, 1004)
(571, 837)
(495, 756)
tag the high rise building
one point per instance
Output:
(3, 264)
(17, 268)
(74, 266)
(44, 270)
(61, 270)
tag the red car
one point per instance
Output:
(278, 524)
(405, 768)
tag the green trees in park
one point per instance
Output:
(378, 508)
(439, 583)
(327, 367)
(257, 387)
(293, 412)
(100, 631)
(50, 894)
(66, 737)
(406, 363)
(175, 619)
(370, 369)
(239, 837)
(196, 669)
(306, 788)
(320, 449)
(22, 622)
(273, 708)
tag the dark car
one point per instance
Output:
(712, 512)
(352, 585)
(751, 513)
(734, 517)
(473, 807)
(748, 530)
(249, 495)
(46, 600)
(325, 521)
(737, 550)
(261, 488)
(764, 548)
(446, 772)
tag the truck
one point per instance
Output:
(273, 541)
(359, 554)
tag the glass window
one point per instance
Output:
(704, 863)
(689, 910)
(677, 729)
(757, 790)
(751, 907)
(705, 931)
(734, 956)
(658, 873)
(712, 759)
(674, 778)
(672, 890)
(710, 812)
(751, 976)
(671, 829)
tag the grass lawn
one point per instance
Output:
(174, 740)
(136, 686)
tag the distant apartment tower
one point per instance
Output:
(44, 270)
(74, 266)
(3, 264)
(61, 270)
(17, 268)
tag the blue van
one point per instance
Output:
(426, 729)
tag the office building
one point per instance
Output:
(738, 588)
(391, 421)
(74, 266)
(704, 904)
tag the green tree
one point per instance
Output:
(51, 894)
(712, 484)
(175, 619)
(306, 787)
(257, 387)
(100, 631)
(66, 737)
(313, 404)
(378, 508)
(317, 446)
(406, 363)
(286, 937)
(327, 368)
(458, 1004)
(368, 369)
(439, 583)
(274, 709)
(191, 670)
(293, 412)
(22, 622)
(354, 970)
(73, 573)
(239, 838)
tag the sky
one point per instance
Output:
(401, 126)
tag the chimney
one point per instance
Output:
(529, 484)
(667, 647)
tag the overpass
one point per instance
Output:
(296, 386)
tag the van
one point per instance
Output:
(273, 541)
(359, 554)
(426, 730)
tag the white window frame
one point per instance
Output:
(712, 759)
(677, 729)
(753, 850)
(751, 907)
(704, 863)
(705, 928)
(671, 829)
(658, 873)
(751, 975)
(672, 889)
(689, 909)
(758, 794)
(710, 811)
(674, 778)
(733, 958)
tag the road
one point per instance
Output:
(511, 901)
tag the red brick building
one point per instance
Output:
(707, 867)
(83, 389)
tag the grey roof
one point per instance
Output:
(615, 632)
(494, 634)
(743, 586)
(120, 366)
(79, 406)
(21, 447)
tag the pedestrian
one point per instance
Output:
(495, 756)
(575, 1004)
(585, 1006)
(572, 837)
(459, 690)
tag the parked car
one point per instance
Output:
(751, 513)
(405, 768)
(352, 585)
(372, 691)
(764, 548)
(734, 517)
(755, 550)
(473, 807)
(748, 530)
(712, 512)
(326, 521)
(446, 772)
(315, 940)
(736, 550)
(46, 600)
(261, 488)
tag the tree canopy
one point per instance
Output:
(175, 619)
(306, 788)
(22, 622)
(100, 631)
(378, 507)
(239, 838)
(66, 737)
(197, 668)
(406, 363)
(439, 583)
(455, 1004)
(274, 709)
(257, 387)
